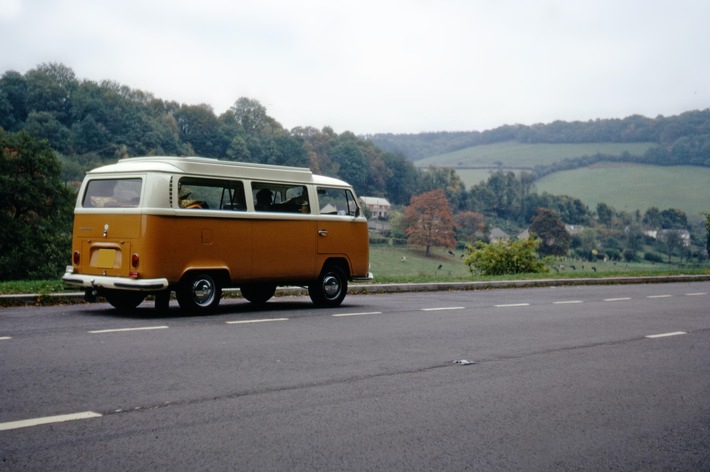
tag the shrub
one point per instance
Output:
(652, 257)
(505, 257)
(629, 255)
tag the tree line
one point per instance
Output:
(679, 140)
(92, 123)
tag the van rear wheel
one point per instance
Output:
(258, 293)
(330, 288)
(199, 292)
(123, 300)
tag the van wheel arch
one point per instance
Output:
(331, 286)
(201, 290)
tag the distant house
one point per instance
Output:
(571, 230)
(574, 229)
(683, 234)
(498, 234)
(378, 207)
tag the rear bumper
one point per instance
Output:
(119, 283)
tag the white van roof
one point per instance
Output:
(208, 167)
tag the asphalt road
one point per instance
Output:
(560, 378)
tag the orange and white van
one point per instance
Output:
(154, 225)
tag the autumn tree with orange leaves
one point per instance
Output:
(429, 221)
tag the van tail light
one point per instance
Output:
(135, 260)
(76, 258)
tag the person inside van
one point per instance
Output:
(264, 198)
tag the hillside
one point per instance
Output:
(527, 156)
(624, 185)
(630, 187)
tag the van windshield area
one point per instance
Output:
(112, 193)
(337, 201)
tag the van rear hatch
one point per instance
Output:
(107, 225)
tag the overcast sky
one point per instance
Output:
(369, 66)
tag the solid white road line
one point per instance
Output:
(444, 308)
(121, 330)
(339, 315)
(256, 321)
(567, 302)
(665, 335)
(511, 305)
(659, 296)
(617, 299)
(48, 420)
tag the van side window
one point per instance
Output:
(280, 198)
(112, 193)
(336, 201)
(214, 194)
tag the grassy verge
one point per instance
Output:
(392, 264)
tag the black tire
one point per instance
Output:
(330, 288)
(258, 293)
(123, 300)
(199, 292)
(162, 301)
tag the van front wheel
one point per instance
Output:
(330, 288)
(199, 292)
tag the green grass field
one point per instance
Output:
(515, 155)
(388, 266)
(631, 187)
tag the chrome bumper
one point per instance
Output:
(119, 283)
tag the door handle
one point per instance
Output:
(323, 232)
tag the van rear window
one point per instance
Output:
(112, 193)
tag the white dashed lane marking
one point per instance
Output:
(48, 420)
(696, 294)
(659, 296)
(256, 321)
(444, 308)
(665, 335)
(620, 299)
(567, 302)
(121, 330)
(339, 315)
(509, 305)
(5, 338)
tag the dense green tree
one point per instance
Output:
(13, 94)
(351, 160)
(673, 218)
(447, 180)
(652, 218)
(402, 178)
(49, 89)
(37, 211)
(553, 235)
(707, 232)
(198, 126)
(605, 214)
